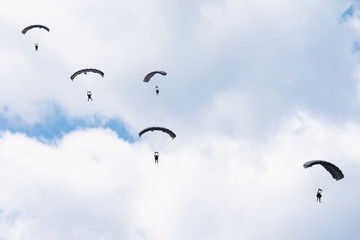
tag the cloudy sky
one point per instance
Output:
(253, 90)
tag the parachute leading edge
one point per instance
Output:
(150, 75)
(85, 71)
(335, 172)
(165, 130)
(34, 26)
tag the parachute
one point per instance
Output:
(335, 172)
(34, 26)
(85, 71)
(88, 83)
(157, 138)
(150, 75)
(165, 130)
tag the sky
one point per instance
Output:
(254, 89)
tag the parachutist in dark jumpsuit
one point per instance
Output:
(157, 90)
(156, 156)
(36, 47)
(318, 195)
(89, 95)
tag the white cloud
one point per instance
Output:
(272, 49)
(254, 89)
(92, 184)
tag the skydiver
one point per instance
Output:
(157, 90)
(156, 156)
(318, 195)
(36, 47)
(89, 95)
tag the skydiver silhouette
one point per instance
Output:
(36, 47)
(89, 95)
(157, 90)
(318, 195)
(156, 156)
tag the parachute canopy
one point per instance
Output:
(335, 172)
(34, 26)
(86, 71)
(165, 130)
(150, 75)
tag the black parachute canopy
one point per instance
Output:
(85, 71)
(34, 26)
(335, 172)
(165, 130)
(150, 75)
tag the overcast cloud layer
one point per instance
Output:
(253, 90)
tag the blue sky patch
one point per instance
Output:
(348, 13)
(56, 126)
(356, 46)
